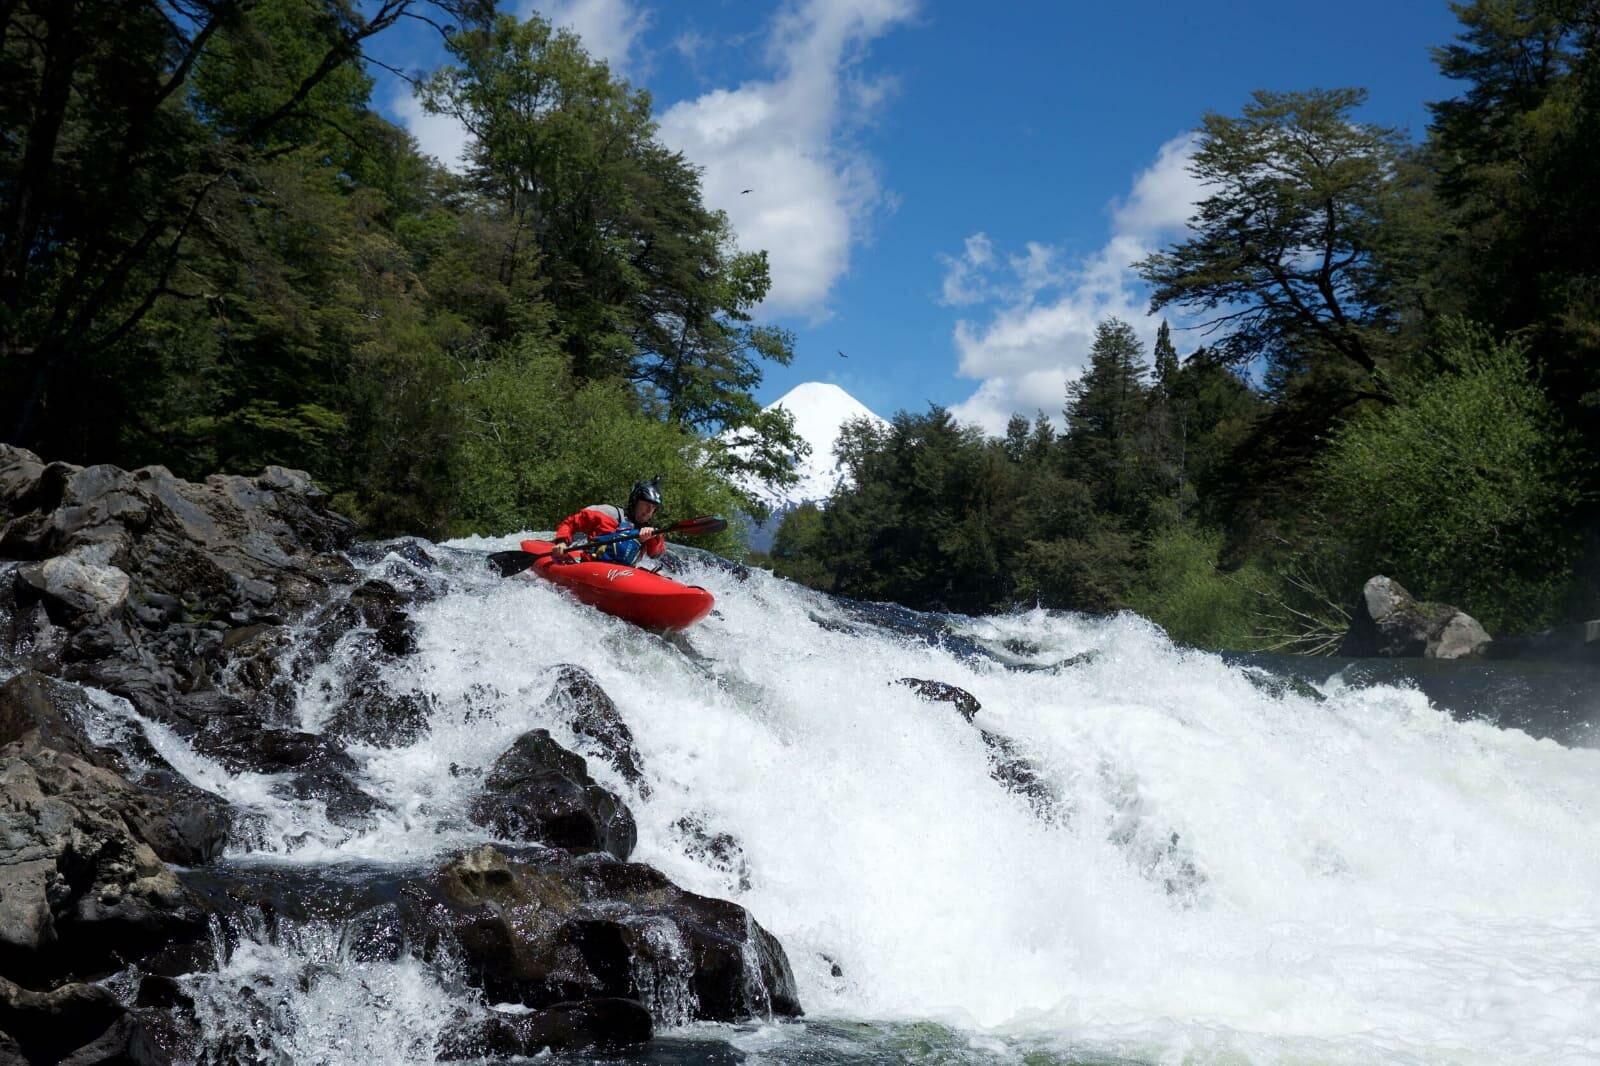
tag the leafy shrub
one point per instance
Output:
(1458, 490)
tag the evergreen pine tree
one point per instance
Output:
(1166, 359)
(1104, 409)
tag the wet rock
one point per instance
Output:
(720, 851)
(181, 823)
(74, 1025)
(609, 1024)
(1389, 621)
(28, 638)
(1007, 765)
(373, 605)
(1281, 686)
(374, 715)
(540, 792)
(578, 698)
(80, 892)
(74, 588)
(940, 692)
(34, 712)
(414, 551)
(343, 801)
(548, 927)
(1018, 775)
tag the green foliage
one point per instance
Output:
(794, 547)
(1281, 254)
(1103, 408)
(645, 281)
(1182, 588)
(542, 445)
(217, 256)
(1460, 488)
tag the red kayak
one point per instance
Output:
(626, 592)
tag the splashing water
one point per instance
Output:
(1221, 871)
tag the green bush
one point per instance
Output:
(539, 446)
(1459, 489)
(1181, 589)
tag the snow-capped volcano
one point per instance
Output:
(819, 410)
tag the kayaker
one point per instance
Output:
(601, 518)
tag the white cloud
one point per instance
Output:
(1164, 195)
(441, 136)
(786, 140)
(1039, 334)
(609, 28)
(964, 279)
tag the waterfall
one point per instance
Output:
(1132, 849)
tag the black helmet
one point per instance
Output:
(645, 490)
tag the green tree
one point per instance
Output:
(1514, 154)
(1104, 411)
(109, 177)
(645, 281)
(1281, 260)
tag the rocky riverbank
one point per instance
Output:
(209, 608)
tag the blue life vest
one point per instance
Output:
(625, 552)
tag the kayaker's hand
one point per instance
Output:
(647, 532)
(559, 550)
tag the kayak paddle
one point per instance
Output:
(515, 562)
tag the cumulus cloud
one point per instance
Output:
(1041, 326)
(609, 28)
(441, 136)
(786, 139)
(966, 279)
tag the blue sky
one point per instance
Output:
(951, 193)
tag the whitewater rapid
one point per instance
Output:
(1228, 870)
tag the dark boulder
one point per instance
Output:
(74, 1025)
(602, 734)
(548, 927)
(540, 792)
(940, 692)
(1389, 621)
(377, 716)
(607, 1024)
(37, 711)
(1007, 765)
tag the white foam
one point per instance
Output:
(1226, 874)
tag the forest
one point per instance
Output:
(216, 254)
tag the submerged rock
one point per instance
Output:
(540, 792)
(609, 1024)
(719, 850)
(1007, 766)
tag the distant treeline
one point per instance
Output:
(1400, 374)
(215, 254)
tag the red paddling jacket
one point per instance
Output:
(602, 518)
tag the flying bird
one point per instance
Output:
(743, 191)
(842, 355)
